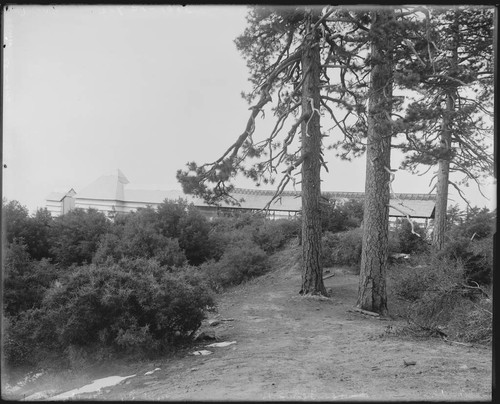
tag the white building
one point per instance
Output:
(110, 194)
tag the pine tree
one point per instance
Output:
(284, 49)
(449, 124)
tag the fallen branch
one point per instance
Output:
(458, 343)
(329, 276)
(368, 313)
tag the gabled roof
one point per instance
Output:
(59, 196)
(107, 187)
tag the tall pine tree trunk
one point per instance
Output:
(372, 294)
(312, 273)
(443, 174)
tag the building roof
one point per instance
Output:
(112, 188)
(423, 209)
(414, 205)
(157, 195)
(59, 196)
(107, 187)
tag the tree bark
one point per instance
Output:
(372, 294)
(312, 272)
(443, 174)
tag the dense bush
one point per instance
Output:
(339, 216)
(136, 235)
(122, 306)
(271, 235)
(435, 296)
(15, 219)
(477, 224)
(342, 248)
(476, 256)
(329, 243)
(33, 230)
(169, 215)
(25, 280)
(240, 262)
(406, 241)
(75, 236)
(194, 236)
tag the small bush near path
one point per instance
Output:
(436, 296)
(240, 262)
(343, 249)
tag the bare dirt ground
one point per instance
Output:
(290, 347)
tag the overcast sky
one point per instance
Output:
(89, 89)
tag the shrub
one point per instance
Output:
(25, 280)
(19, 349)
(435, 298)
(194, 236)
(478, 224)
(15, 218)
(75, 236)
(329, 242)
(476, 257)
(169, 214)
(472, 322)
(343, 248)
(137, 236)
(339, 216)
(225, 231)
(240, 262)
(133, 304)
(271, 235)
(33, 230)
(333, 218)
(407, 241)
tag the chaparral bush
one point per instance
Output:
(407, 241)
(271, 235)
(74, 237)
(342, 248)
(435, 296)
(339, 216)
(329, 242)
(240, 262)
(225, 231)
(194, 236)
(125, 306)
(476, 256)
(25, 280)
(136, 235)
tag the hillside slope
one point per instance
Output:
(289, 347)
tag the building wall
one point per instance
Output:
(68, 203)
(54, 207)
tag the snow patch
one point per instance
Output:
(221, 344)
(202, 352)
(96, 385)
(151, 371)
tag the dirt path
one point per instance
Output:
(298, 348)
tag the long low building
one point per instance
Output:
(110, 194)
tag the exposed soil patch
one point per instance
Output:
(290, 347)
